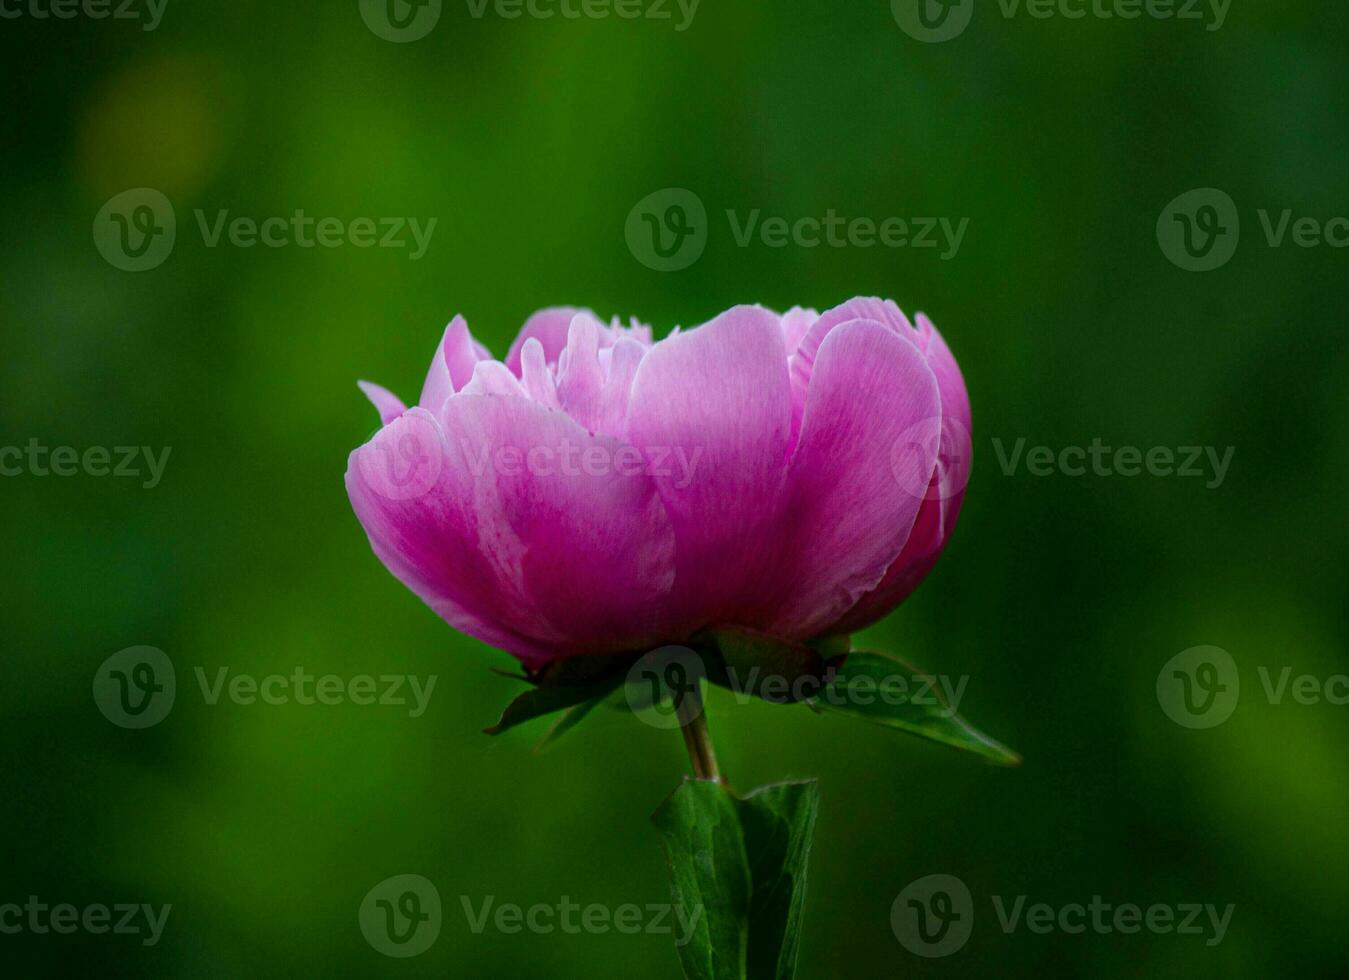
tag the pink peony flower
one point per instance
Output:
(597, 493)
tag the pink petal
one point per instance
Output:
(451, 368)
(533, 525)
(580, 378)
(795, 323)
(493, 378)
(549, 327)
(710, 410)
(399, 486)
(906, 572)
(848, 509)
(803, 357)
(625, 357)
(956, 449)
(946, 491)
(636, 330)
(389, 405)
(535, 375)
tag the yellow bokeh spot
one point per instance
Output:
(154, 125)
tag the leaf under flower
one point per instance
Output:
(738, 871)
(878, 688)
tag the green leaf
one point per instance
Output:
(570, 718)
(563, 684)
(838, 645)
(778, 823)
(762, 665)
(709, 879)
(540, 701)
(738, 873)
(888, 691)
(583, 671)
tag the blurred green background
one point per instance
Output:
(530, 141)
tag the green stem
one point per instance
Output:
(693, 722)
